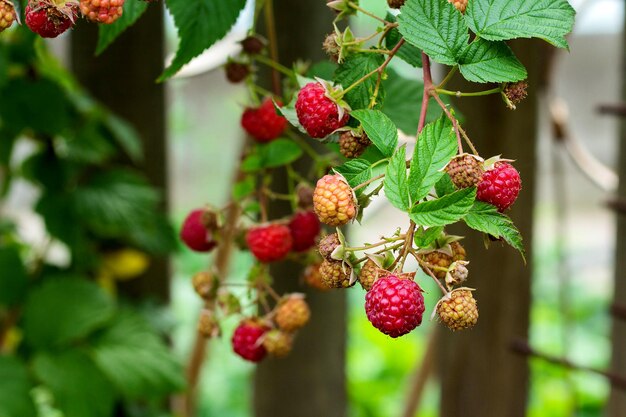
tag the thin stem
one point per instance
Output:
(375, 245)
(428, 82)
(368, 182)
(468, 141)
(408, 244)
(385, 249)
(365, 12)
(497, 90)
(273, 293)
(372, 51)
(425, 267)
(453, 119)
(275, 66)
(270, 24)
(448, 76)
(304, 145)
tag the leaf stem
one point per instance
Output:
(365, 12)
(375, 245)
(368, 182)
(448, 77)
(428, 83)
(497, 90)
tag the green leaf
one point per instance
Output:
(356, 171)
(135, 358)
(354, 68)
(289, 113)
(445, 210)
(108, 33)
(379, 128)
(487, 219)
(404, 100)
(279, 152)
(491, 62)
(15, 386)
(444, 186)
(89, 145)
(435, 27)
(435, 147)
(13, 279)
(244, 188)
(63, 310)
(498, 20)
(407, 52)
(80, 389)
(396, 181)
(200, 24)
(125, 135)
(424, 238)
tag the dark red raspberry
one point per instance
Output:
(102, 11)
(318, 114)
(269, 243)
(500, 186)
(304, 228)
(247, 341)
(263, 123)
(236, 72)
(253, 45)
(394, 306)
(48, 20)
(195, 234)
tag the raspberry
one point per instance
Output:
(465, 170)
(460, 5)
(205, 284)
(458, 273)
(318, 114)
(500, 186)
(262, 123)
(328, 245)
(208, 325)
(369, 274)
(515, 93)
(102, 11)
(331, 47)
(7, 14)
(352, 146)
(253, 45)
(395, 4)
(292, 313)
(269, 243)
(246, 340)
(458, 309)
(312, 277)
(49, 20)
(236, 72)
(334, 201)
(335, 274)
(304, 228)
(394, 306)
(278, 343)
(195, 235)
(304, 193)
(441, 260)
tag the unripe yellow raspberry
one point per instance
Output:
(460, 5)
(458, 309)
(7, 14)
(335, 274)
(334, 201)
(292, 313)
(278, 343)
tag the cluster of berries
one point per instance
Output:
(50, 18)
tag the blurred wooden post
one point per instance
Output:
(479, 374)
(310, 382)
(617, 399)
(123, 78)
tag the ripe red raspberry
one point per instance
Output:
(49, 20)
(269, 243)
(465, 170)
(247, 341)
(195, 234)
(292, 313)
(304, 228)
(102, 11)
(7, 14)
(394, 306)
(318, 114)
(262, 123)
(334, 201)
(500, 186)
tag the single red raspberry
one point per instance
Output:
(500, 186)
(48, 20)
(269, 243)
(394, 306)
(263, 123)
(7, 14)
(247, 341)
(195, 234)
(304, 228)
(102, 11)
(318, 114)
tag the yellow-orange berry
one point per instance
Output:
(334, 201)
